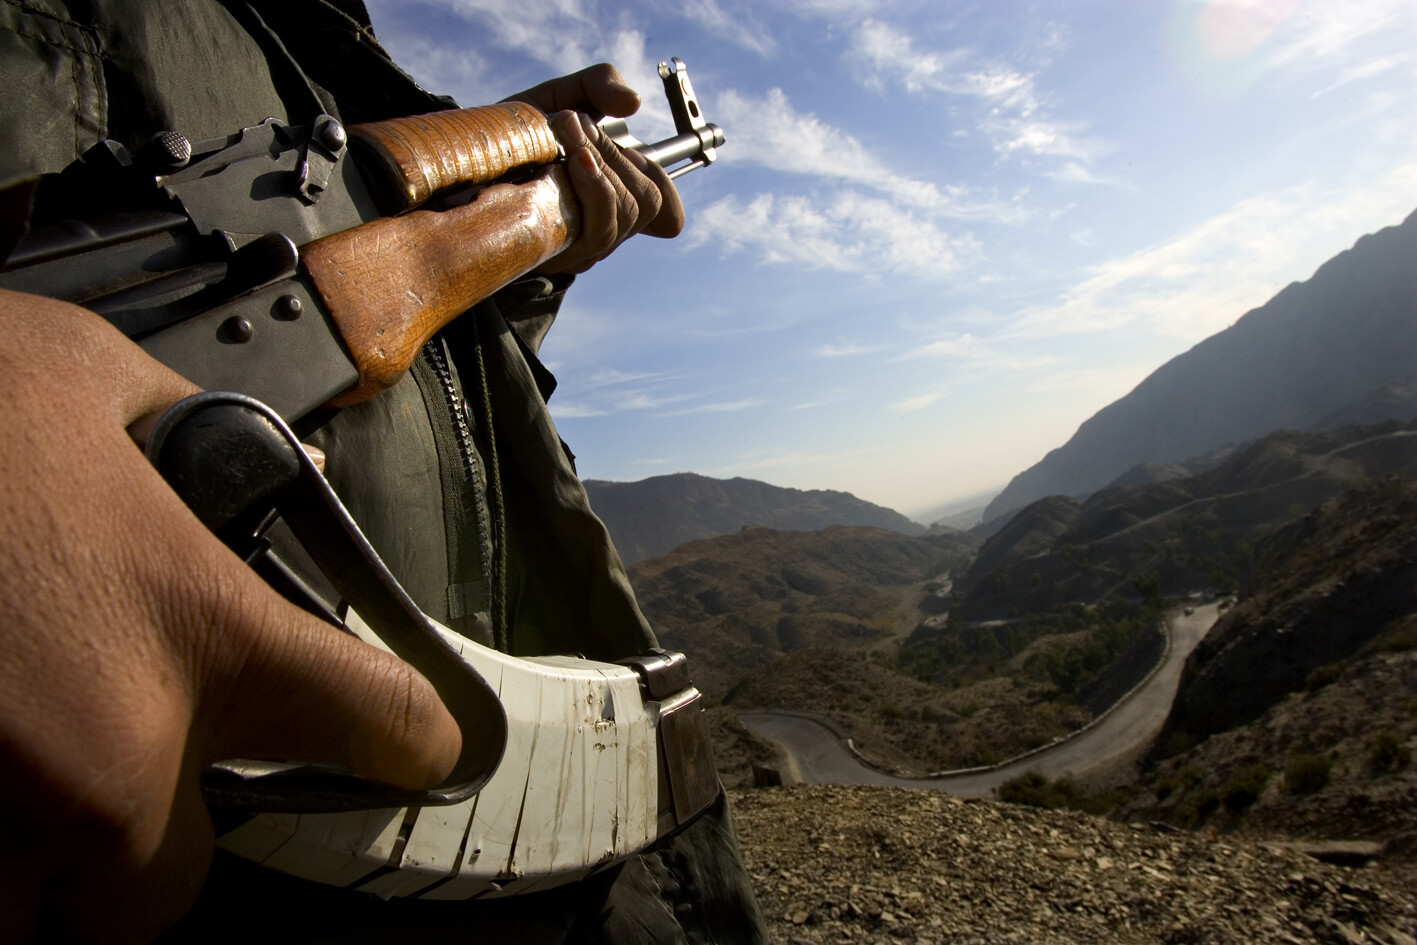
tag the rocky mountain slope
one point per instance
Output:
(1294, 732)
(1315, 348)
(1193, 533)
(1298, 713)
(1324, 589)
(882, 865)
(654, 516)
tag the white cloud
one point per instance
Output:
(724, 407)
(549, 31)
(599, 398)
(889, 53)
(848, 233)
(843, 349)
(607, 376)
(978, 355)
(1201, 281)
(561, 35)
(1228, 44)
(738, 26)
(770, 132)
(919, 401)
(566, 410)
(1356, 73)
(1311, 35)
(785, 230)
(1009, 111)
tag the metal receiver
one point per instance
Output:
(694, 145)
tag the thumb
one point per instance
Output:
(307, 692)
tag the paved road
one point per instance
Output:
(816, 756)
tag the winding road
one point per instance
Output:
(815, 754)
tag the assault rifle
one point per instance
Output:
(270, 270)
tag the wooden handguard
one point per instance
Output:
(391, 284)
(410, 159)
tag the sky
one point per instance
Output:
(941, 235)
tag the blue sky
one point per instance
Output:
(941, 235)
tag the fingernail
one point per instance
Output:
(572, 129)
(590, 128)
(317, 456)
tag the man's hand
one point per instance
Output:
(621, 193)
(135, 650)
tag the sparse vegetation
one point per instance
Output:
(1401, 640)
(1244, 788)
(1084, 641)
(1307, 774)
(1387, 753)
(1324, 675)
(1034, 790)
(1197, 806)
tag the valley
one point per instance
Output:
(1283, 705)
(1105, 751)
(1164, 691)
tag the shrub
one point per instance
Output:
(1198, 806)
(1166, 786)
(1387, 753)
(1034, 790)
(1244, 788)
(1324, 675)
(1305, 774)
(1400, 641)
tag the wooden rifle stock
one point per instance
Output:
(391, 284)
(409, 159)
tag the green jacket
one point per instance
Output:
(457, 475)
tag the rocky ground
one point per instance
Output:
(857, 864)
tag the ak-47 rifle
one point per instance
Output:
(246, 272)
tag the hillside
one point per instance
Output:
(654, 516)
(839, 623)
(740, 601)
(1298, 712)
(1193, 534)
(1314, 349)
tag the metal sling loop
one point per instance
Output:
(227, 454)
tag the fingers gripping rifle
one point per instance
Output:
(269, 269)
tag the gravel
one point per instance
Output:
(887, 865)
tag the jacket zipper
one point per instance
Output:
(473, 502)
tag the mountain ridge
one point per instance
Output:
(1313, 349)
(651, 517)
